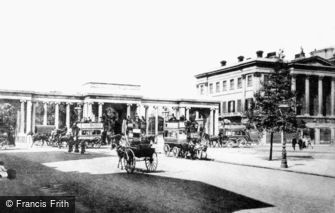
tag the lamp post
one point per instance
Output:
(283, 108)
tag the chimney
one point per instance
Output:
(259, 53)
(271, 55)
(223, 63)
(240, 58)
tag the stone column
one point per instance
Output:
(146, 119)
(85, 110)
(320, 95)
(28, 123)
(216, 122)
(33, 117)
(211, 123)
(196, 115)
(317, 136)
(307, 95)
(100, 111)
(56, 115)
(293, 83)
(138, 110)
(45, 116)
(90, 113)
(80, 111)
(177, 112)
(156, 120)
(128, 110)
(332, 135)
(294, 87)
(68, 116)
(332, 98)
(22, 117)
(187, 112)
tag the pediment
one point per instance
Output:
(314, 60)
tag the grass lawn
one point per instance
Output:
(116, 192)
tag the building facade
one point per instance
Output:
(313, 79)
(62, 109)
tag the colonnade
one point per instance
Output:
(320, 94)
(28, 114)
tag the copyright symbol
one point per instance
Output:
(9, 203)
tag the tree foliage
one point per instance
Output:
(8, 115)
(268, 111)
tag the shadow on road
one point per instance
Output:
(54, 156)
(119, 192)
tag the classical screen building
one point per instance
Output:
(93, 99)
(313, 79)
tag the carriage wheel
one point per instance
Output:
(203, 154)
(175, 151)
(152, 162)
(214, 143)
(129, 161)
(167, 149)
(98, 144)
(230, 143)
(242, 142)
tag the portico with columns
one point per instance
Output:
(44, 109)
(312, 79)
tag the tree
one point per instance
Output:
(8, 115)
(8, 120)
(275, 104)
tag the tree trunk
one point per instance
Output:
(271, 145)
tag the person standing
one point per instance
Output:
(294, 142)
(300, 143)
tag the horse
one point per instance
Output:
(58, 137)
(39, 137)
(119, 142)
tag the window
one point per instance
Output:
(217, 89)
(211, 88)
(239, 105)
(224, 86)
(249, 80)
(224, 107)
(231, 106)
(231, 84)
(201, 89)
(239, 83)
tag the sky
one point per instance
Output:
(161, 45)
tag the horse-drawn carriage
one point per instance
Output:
(90, 134)
(184, 141)
(138, 148)
(42, 135)
(237, 136)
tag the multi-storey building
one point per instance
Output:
(313, 79)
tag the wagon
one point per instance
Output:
(90, 134)
(236, 137)
(174, 140)
(140, 150)
(181, 144)
(174, 137)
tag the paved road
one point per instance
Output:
(193, 185)
(285, 191)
